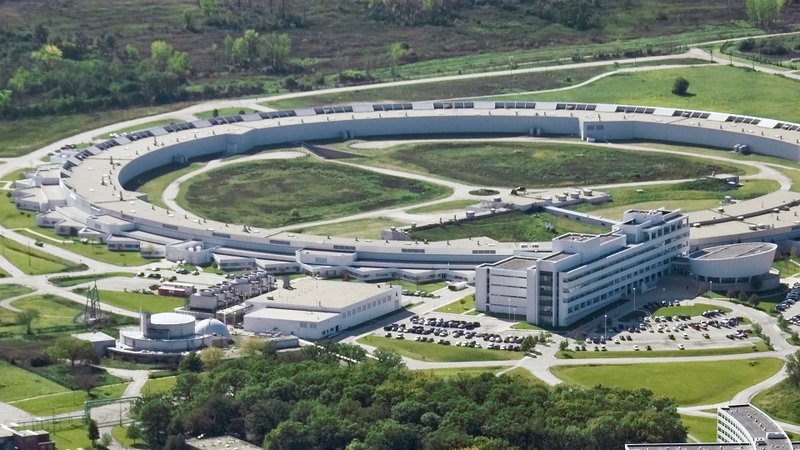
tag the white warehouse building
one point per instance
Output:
(584, 272)
(315, 309)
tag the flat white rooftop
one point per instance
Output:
(310, 292)
(292, 315)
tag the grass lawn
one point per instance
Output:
(689, 196)
(540, 164)
(319, 190)
(134, 301)
(428, 287)
(452, 205)
(742, 92)
(459, 306)
(67, 434)
(704, 429)
(693, 310)
(144, 126)
(780, 402)
(67, 401)
(23, 136)
(525, 374)
(80, 279)
(33, 261)
(693, 383)
(120, 434)
(159, 385)
(510, 227)
(160, 178)
(737, 350)
(787, 267)
(430, 351)
(222, 112)
(18, 384)
(99, 252)
(459, 371)
(54, 312)
(359, 228)
(525, 326)
(13, 290)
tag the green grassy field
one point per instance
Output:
(359, 228)
(319, 190)
(704, 429)
(222, 112)
(133, 301)
(526, 375)
(430, 351)
(23, 136)
(688, 384)
(459, 372)
(155, 187)
(424, 287)
(69, 401)
(693, 310)
(80, 279)
(98, 252)
(445, 206)
(743, 91)
(670, 196)
(459, 306)
(120, 435)
(511, 227)
(53, 311)
(33, 261)
(787, 267)
(144, 126)
(68, 434)
(780, 402)
(13, 290)
(159, 385)
(590, 354)
(17, 384)
(539, 164)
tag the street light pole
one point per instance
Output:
(509, 305)
(634, 299)
(605, 326)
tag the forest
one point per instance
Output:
(314, 401)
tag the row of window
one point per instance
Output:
(368, 305)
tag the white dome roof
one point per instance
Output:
(211, 326)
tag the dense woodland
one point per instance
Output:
(64, 56)
(320, 403)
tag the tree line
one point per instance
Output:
(319, 402)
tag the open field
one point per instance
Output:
(430, 351)
(18, 384)
(459, 306)
(704, 429)
(734, 350)
(743, 91)
(319, 190)
(359, 228)
(13, 290)
(80, 279)
(222, 112)
(424, 287)
(33, 261)
(159, 385)
(539, 164)
(23, 136)
(67, 401)
(780, 402)
(54, 312)
(787, 267)
(70, 434)
(689, 310)
(688, 384)
(144, 126)
(525, 374)
(445, 206)
(155, 186)
(678, 195)
(459, 372)
(133, 301)
(98, 252)
(511, 227)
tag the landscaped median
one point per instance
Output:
(465, 305)
(688, 383)
(758, 346)
(429, 351)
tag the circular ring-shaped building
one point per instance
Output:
(733, 266)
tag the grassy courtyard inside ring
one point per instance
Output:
(276, 193)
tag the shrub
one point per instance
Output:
(681, 86)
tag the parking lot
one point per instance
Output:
(712, 329)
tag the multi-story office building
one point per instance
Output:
(584, 272)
